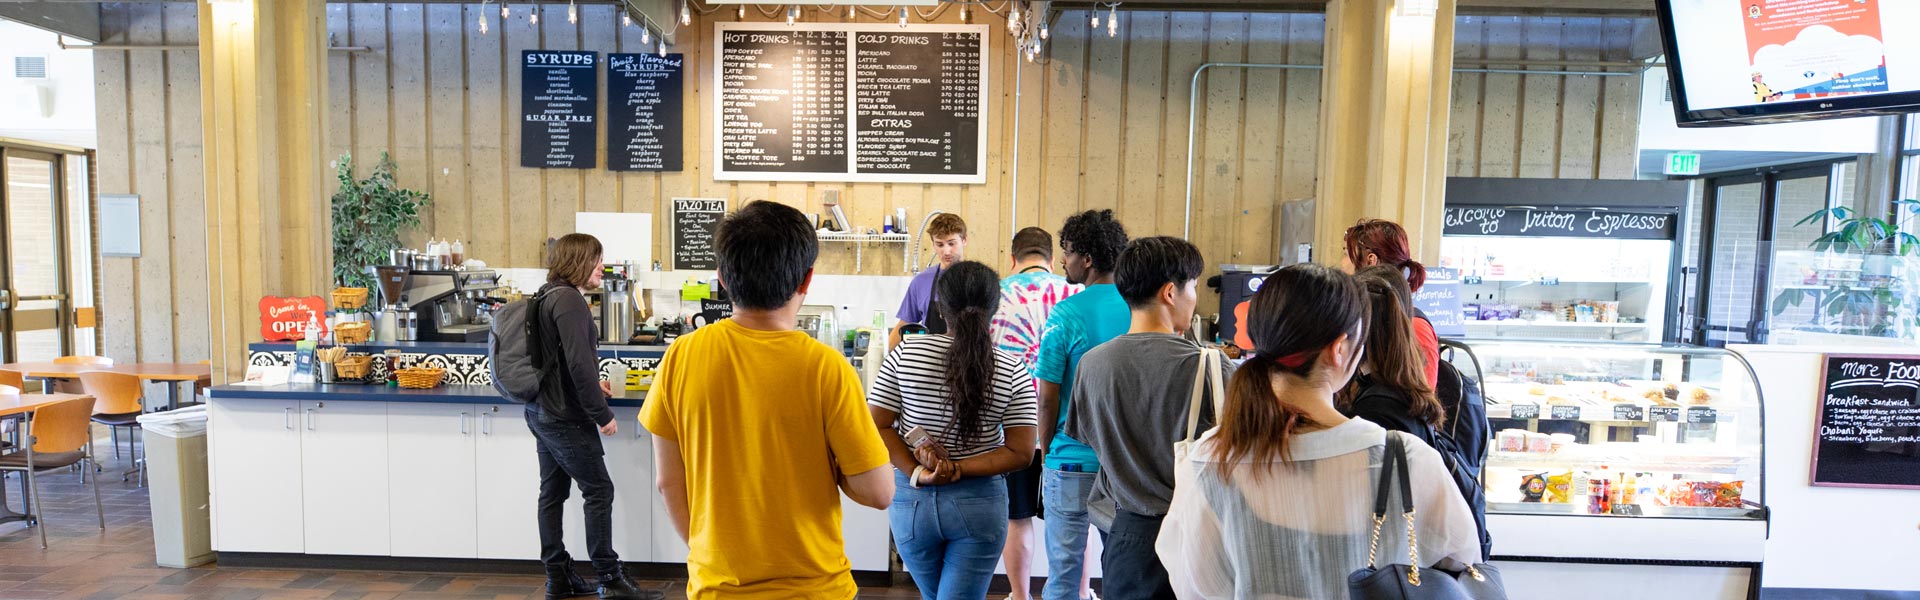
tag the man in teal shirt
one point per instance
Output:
(1090, 244)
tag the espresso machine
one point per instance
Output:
(446, 304)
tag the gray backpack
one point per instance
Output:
(510, 350)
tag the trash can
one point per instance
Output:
(176, 445)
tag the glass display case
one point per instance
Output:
(1618, 430)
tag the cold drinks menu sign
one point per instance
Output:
(1869, 427)
(557, 91)
(847, 102)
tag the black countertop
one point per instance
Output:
(443, 347)
(451, 394)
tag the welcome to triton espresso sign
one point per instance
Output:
(1526, 221)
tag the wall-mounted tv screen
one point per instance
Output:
(1734, 62)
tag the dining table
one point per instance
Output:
(172, 374)
(14, 406)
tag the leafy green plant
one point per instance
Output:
(1865, 306)
(368, 217)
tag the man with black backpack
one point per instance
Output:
(554, 368)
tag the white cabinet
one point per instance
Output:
(254, 456)
(667, 545)
(343, 477)
(868, 535)
(506, 483)
(430, 477)
(629, 461)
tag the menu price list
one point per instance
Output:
(1869, 422)
(918, 102)
(644, 112)
(783, 101)
(557, 91)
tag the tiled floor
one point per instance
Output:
(87, 563)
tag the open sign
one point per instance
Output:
(287, 319)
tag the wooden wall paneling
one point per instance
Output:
(1463, 139)
(686, 182)
(526, 211)
(1142, 172)
(1028, 142)
(1501, 107)
(485, 138)
(1215, 201)
(1619, 118)
(599, 25)
(562, 187)
(119, 330)
(339, 94)
(989, 233)
(633, 192)
(1106, 96)
(407, 116)
(370, 96)
(1580, 101)
(1061, 125)
(153, 285)
(1541, 96)
(187, 178)
(1306, 34)
(1186, 51)
(1262, 123)
(446, 120)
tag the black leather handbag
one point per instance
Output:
(1411, 581)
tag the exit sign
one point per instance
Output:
(1683, 163)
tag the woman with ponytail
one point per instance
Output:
(1373, 242)
(956, 413)
(1277, 500)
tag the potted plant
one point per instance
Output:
(368, 217)
(1869, 303)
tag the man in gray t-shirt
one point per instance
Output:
(1130, 402)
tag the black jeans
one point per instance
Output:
(1132, 570)
(570, 452)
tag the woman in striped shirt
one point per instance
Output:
(969, 409)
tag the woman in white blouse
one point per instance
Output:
(1277, 501)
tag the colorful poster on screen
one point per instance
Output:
(1804, 49)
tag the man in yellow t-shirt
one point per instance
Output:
(758, 428)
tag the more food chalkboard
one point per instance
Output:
(850, 102)
(557, 91)
(643, 112)
(1530, 221)
(694, 222)
(1869, 427)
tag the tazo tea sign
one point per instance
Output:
(1537, 222)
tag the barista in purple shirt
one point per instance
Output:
(948, 232)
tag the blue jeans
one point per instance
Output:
(950, 536)
(1066, 493)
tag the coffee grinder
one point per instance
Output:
(396, 321)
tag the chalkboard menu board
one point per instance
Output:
(850, 102)
(694, 222)
(1868, 432)
(643, 112)
(1439, 299)
(1524, 221)
(557, 92)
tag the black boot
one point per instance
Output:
(568, 584)
(616, 586)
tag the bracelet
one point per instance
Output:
(914, 479)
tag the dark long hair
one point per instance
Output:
(1387, 241)
(1396, 360)
(1297, 313)
(969, 295)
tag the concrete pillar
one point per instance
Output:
(263, 100)
(1384, 106)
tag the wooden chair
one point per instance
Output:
(117, 403)
(57, 438)
(14, 378)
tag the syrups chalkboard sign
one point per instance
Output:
(1868, 430)
(1524, 221)
(644, 111)
(850, 102)
(557, 109)
(694, 223)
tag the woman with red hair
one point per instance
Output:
(1381, 242)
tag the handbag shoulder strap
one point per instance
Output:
(1394, 467)
(1207, 372)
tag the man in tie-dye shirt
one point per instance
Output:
(1026, 299)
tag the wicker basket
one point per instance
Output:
(352, 333)
(349, 298)
(420, 378)
(353, 367)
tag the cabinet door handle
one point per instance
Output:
(486, 423)
(310, 419)
(289, 418)
(463, 423)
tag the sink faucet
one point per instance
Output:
(917, 235)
